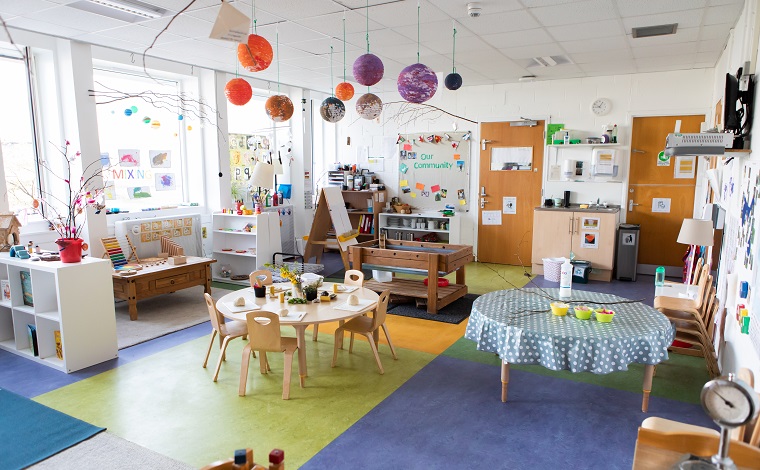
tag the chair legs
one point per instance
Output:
(221, 356)
(244, 369)
(372, 345)
(264, 365)
(287, 367)
(210, 345)
(388, 337)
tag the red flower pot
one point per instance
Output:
(70, 249)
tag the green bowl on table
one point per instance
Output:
(582, 312)
(604, 315)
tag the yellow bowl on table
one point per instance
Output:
(604, 315)
(559, 308)
(582, 312)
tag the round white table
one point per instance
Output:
(314, 313)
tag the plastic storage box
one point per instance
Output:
(581, 271)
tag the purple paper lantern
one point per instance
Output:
(417, 83)
(368, 69)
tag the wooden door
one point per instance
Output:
(647, 180)
(511, 241)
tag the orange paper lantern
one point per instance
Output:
(279, 108)
(344, 91)
(238, 91)
(256, 54)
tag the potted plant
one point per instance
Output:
(310, 291)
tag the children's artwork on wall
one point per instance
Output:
(160, 158)
(749, 193)
(138, 192)
(165, 182)
(129, 157)
(428, 164)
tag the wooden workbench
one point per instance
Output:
(433, 260)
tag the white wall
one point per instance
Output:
(559, 101)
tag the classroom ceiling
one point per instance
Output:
(594, 36)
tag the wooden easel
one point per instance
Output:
(331, 211)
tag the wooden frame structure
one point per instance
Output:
(426, 259)
(331, 212)
(115, 252)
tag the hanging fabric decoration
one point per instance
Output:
(453, 80)
(368, 68)
(344, 91)
(369, 106)
(279, 108)
(238, 91)
(417, 83)
(332, 109)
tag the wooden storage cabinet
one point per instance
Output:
(558, 232)
(247, 250)
(357, 205)
(75, 299)
(389, 222)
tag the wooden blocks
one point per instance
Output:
(177, 260)
(171, 247)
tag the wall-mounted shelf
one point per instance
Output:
(583, 145)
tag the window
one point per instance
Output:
(19, 155)
(141, 140)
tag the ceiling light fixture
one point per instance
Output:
(474, 10)
(133, 7)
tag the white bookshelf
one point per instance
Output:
(243, 251)
(389, 223)
(73, 298)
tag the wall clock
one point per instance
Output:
(601, 106)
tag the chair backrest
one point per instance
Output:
(744, 433)
(264, 276)
(382, 308)
(217, 320)
(697, 271)
(264, 331)
(354, 277)
(703, 283)
(704, 445)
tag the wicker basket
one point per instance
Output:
(553, 268)
(402, 208)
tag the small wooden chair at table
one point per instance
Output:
(264, 336)
(369, 327)
(261, 275)
(353, 277)
(227, 332)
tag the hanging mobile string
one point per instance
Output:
(367, 11)
(344, 44)
(418, 31)
(454, 50)
(277, 39)
(253, 14)
(332, 88)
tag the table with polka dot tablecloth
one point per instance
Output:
(518, 325)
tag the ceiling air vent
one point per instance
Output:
(550, 61)
(130, 11)
(659, 30)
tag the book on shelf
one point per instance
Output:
(5, 287)
(32, 330)
(58, 344)
(26, 288)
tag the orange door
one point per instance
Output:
(649, 181)
(509, 242)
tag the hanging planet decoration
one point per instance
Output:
(344, 91)
(453, 81)
(332, 109)
(279, 108)
(180, 117)
(417, 83)
(127, 112)
(238, 91)
(146, 120)
(189, 128)
(134, 109)
(369, 106)
(155, 124)
(256, 54)
(368, 69)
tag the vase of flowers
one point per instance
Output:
(66, 211)
(290, 274)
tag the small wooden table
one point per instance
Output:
(430, 259)
(162, 279)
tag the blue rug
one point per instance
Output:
(30, 432)
(450, 415)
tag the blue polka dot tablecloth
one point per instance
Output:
(507, 323)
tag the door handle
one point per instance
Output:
(637, 151)
(570, 231)
(482, 202)
(631, 204)
(577, 224)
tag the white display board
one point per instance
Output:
(146, 233)
(434, 170)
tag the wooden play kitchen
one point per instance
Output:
(431, 259)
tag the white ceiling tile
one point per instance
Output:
(518, 38)
(708, 57)
(527, 52)
(670, 50)
(500, 22)
(210, 13)
(393, 15)
(593, 57)
(379, 38)
(9, 8)
(682, 35)
(596, 29)
(67, 16)
(649, 68)
(579, 11)
(99, 39)
(30, 24)
(652, 7)
(310, 62)
(593, 45)
(441, 31)
(723, 14)
(332, 25)
(289, 32)
(139, 34)
(710, 46)
(183, 25)
(682, 59)
(544, 3)
(724, 2)
(464, 45)
(715, 32)
(458, 8)
(685, 19)
(613, 67)
(295, 10)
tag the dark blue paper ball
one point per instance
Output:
(453, 81)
